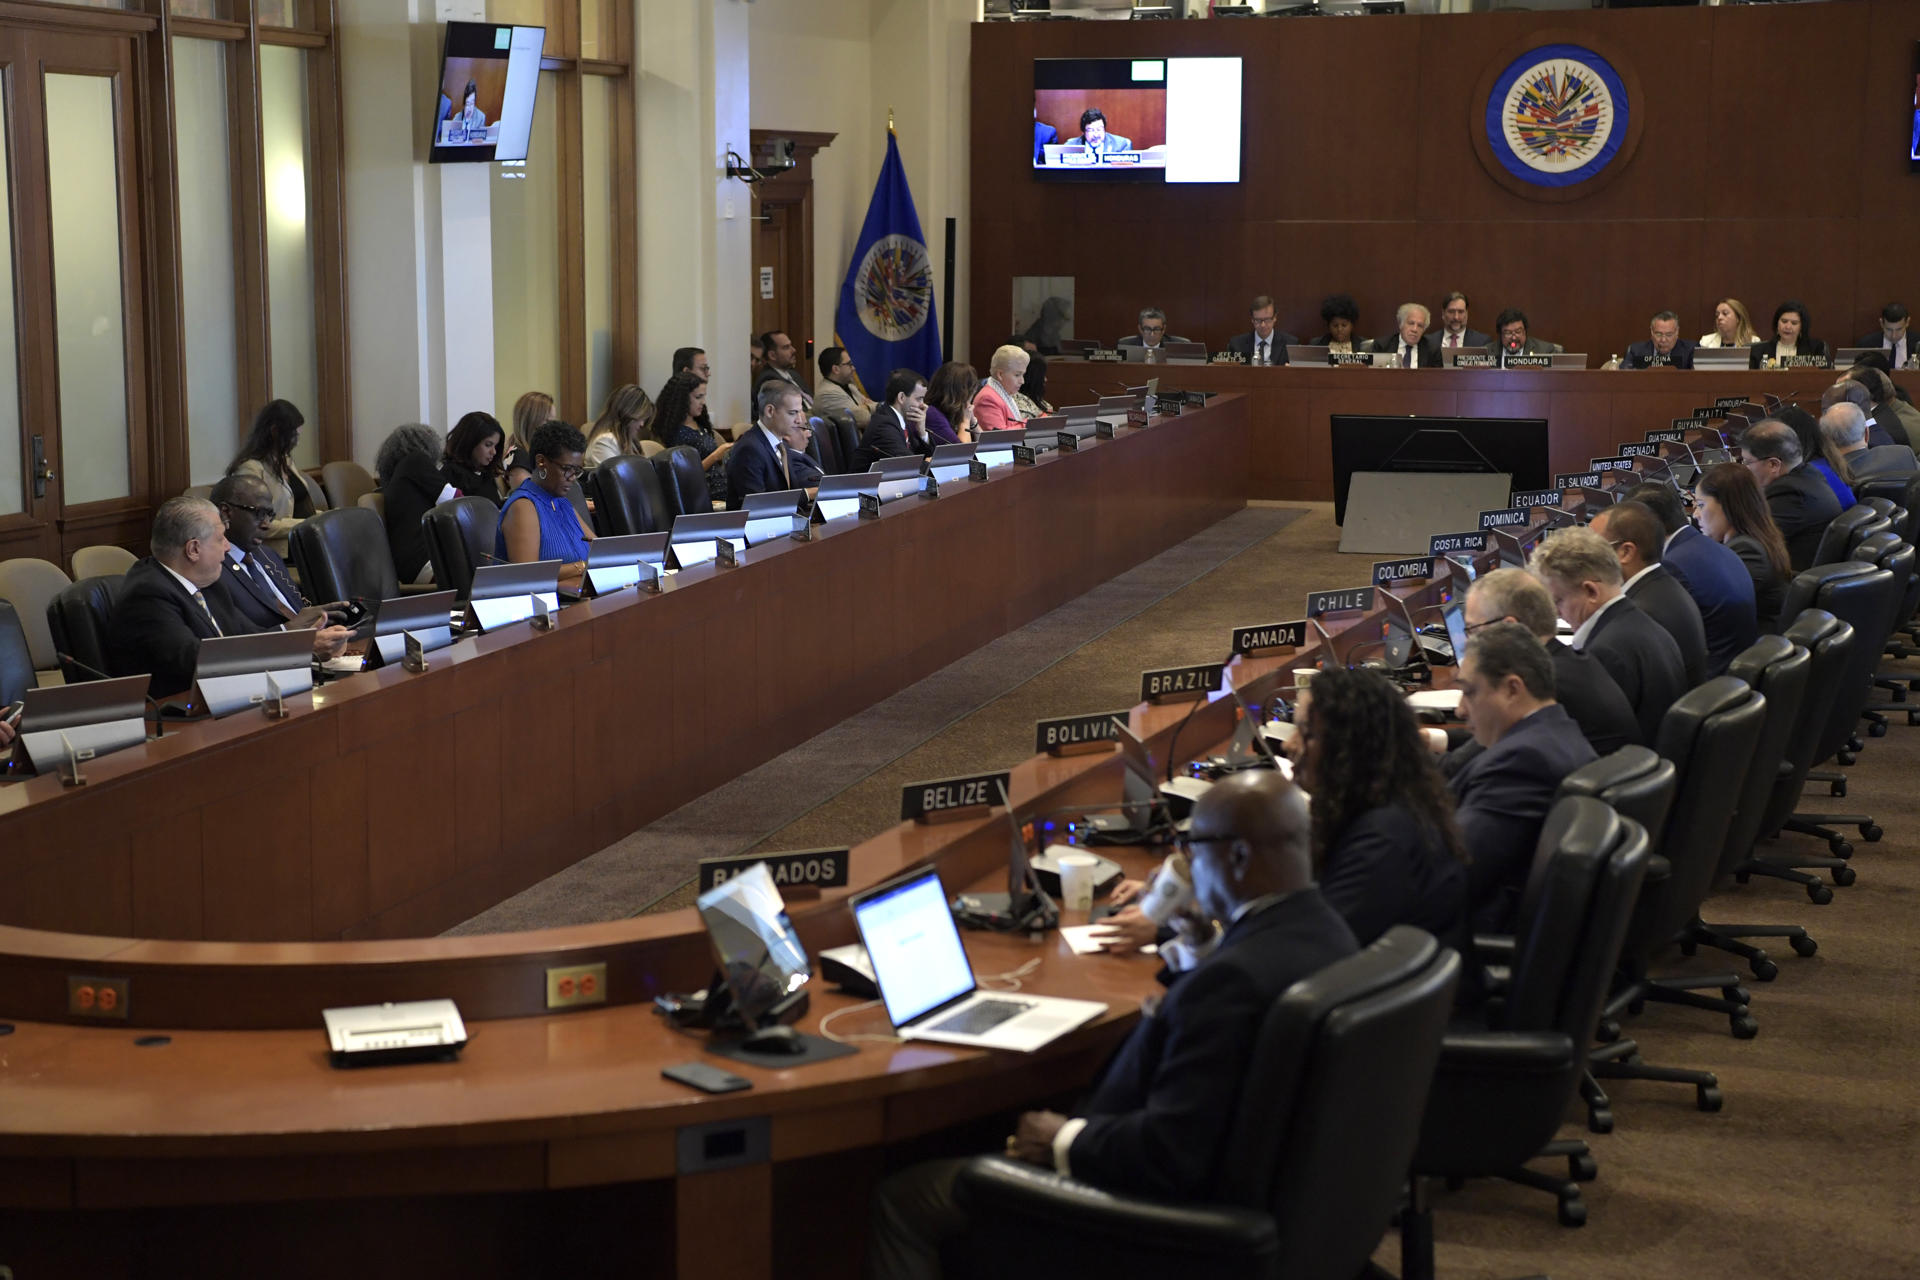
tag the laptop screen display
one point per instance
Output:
(914, 947)
(1456, 615)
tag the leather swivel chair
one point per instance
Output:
(846, 440)
(1504, 1079)
(346, 483)
(629, 499)
(683, 483)
(460, 536)
(1894, 553)
(343, 554)
(93, 562)
(78, 619)
(29, 585)
(16, 661)
(1841, 533)
(1315, 1163)
(823, 446)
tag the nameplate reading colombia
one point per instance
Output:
(1527, 499)
(949, 799)
(1420, 568)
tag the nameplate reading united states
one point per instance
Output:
(800, 870)
(1420, 567)
(1345, 600)
(1181, 684)
(1273, 635)
(1443, 544)
(1078, 735)
(1503, 519)
(950, 799)
(1676, 435)
(1577, 480)
(1525, 499)
(1611, 464)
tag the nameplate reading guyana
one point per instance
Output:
(869, 506)
(1068, 442)
(1077, 735)
(801, 869)
(1024, 456)
(1699, 422)
(1638, 451)
(1402, 570)
(1577, 480)
(1677, 434)
(976, 471)
(1727, 402)
(1103, 430)
(1345, 600)
(1611, 464)
(1524, 499)
(1503, 519)
(1529, 362)
(945, 798)
(1274, 635)
(1179, 684)
(1442, 544)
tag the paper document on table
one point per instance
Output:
(1087, 939)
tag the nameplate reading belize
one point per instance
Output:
(1577, 480)
(801, 869)
(1420, 567)
(1273, 635)
(946, 798)
(1503, 519)
(1078, 735)
(1526, 499)
(1445, 544)
(1182, 684)
(1345, 600)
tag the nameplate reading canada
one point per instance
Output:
(947, 798)
(801, 869)
(1181, 684)
(1077, 735)
(1273, 635)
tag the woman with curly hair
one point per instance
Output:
(681, 418)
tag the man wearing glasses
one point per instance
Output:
(839, 397)
(256, 580)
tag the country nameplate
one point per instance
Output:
(1728, 402)
(1639, 451)
(1529, 362)
(1103, 430)
(929, 486)
(1138, 417)
(1805, 362)
(1418, 568)
(1443, 544)
(976, 471)
(1068, 442)
(1344, 600)
(800, 871)
(1611, 464)
(1527, 499)
(1078, 735)
(1181, 684)
(950, 799)
(724, 555)
(1024, 456)
(1252, 641)
(1349, 357)
(1577, 480)
(869, 506)
(1709, 411)
(1506, 519)
(1676, 433)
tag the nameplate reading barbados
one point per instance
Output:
(801, 869)
(1272, 635)
(946, 799)
(1181, 684)
(1078, 735)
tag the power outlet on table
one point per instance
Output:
(576, 985)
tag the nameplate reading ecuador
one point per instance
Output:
(1345, 600)
(801, 869)
(1182, 684)
(950, 799)
(1274, 635)
(1529, 362)
(1445, 544)
(1639, 450)
(1728, 402)
(1503, 519)
(1525, 499)
(1420, 567)
(1677, 434)
(1078, 735)
(1577, 480)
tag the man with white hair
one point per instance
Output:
(1845, 427)
(1409, 346)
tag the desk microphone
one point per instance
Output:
(1173, 743)
(94, 673)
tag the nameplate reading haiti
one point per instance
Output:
(1024, 456)
(951, 799)
(1503, 519)
(1706, 411)
(869, 506)
(1078, 735)
(1638, 451)
(1420, 567)
(1182, 684)
(1445, 544)
(795, 872)
(1264, 639)
(1677, 433)
(1529, 362)
(1345, 600)
(1577, 480)
(976, 471)
(1069, 442)
(1526, 499)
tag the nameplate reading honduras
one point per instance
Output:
(1443, 544)
(1503, 519)
(801, 869)
(1525, 499)
(922, 801)
(1402, 570)
(1676, 434)
(1070, 734)
(1181, 682)
(1728, 402)
(1638, 451)
(1345, 600)
(1577, 480)
(1274, 635)
(1529, 362)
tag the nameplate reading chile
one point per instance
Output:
(1077, 735)
(951, 799)
(1503, 519)
(1182, 684)
(1420, 567)
(1445, 544)
(799, 870)
(1346, 600)
(1274, 635)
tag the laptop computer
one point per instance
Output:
(995, 448)
(503, 593)
(95, 717)
(428, 617)
(949, 463)
(1078, 346)
(1303, 354)
(693, 536)
(1078, 417)
(1720, 357)
(1568, 359)
(616, 561)
(770, 515)
(899, 477)
(928, 985)
(839, 496)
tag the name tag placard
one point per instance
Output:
(951, 799)
(1182, 684)
(869, 506)
(802, 530)
(1611, 464)
(1473, 362)
(1529, 362)
(1443, 544)
(1656, 360)
(1263, 639)
(929, 486)
(1676, 434)
(1577, 480)
(1024, 456)
(1078, 735)
(1508, 519)
(1068, 442)
(1103, 430)
(1345, 600)
(976, 471)
(801, 872)
(1527, 499)
(1348, 357)
(1706, 411)
(724, 556)
(1138, 417)
(1420, 568)
(1727, 402)
(1638, 451)
(1805, 362)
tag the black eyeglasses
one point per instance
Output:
(1186, 840)
(1470, 627)
(258, 513)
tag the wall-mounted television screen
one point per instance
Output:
(1136, 119)
(484, 104)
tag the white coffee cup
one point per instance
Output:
(1302, 677)
(1076, 884)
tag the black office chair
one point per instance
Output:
(823, 446)
(1841, 533)
(683, 483)
(1313, 1170)
(1504, 1080)
(460, 537)
(16, 661)
(628, 498)
(78, 617)
(343, 555)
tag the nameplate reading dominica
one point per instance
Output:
(1577, 480)
(976, 471)
(1529, 362)
(1420, 567)
(1345, 600)
(1069, 442)
(1273, 635)
(1503, 519)
(724, 555)
(799, 870)
(1527, 499)
(1182, 684)
(1677, 434)
(1445, 544)
(1611, 464)
(950, 799)
(1024, 456)
(1103, 430)
(1638, 451)
(869, 506)
(1078, 735)
(1727, 402)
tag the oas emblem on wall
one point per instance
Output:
(895, 288)
(1557, 116)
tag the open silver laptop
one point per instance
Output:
(770, 514)
(694, 537)
(1721, 357)
(504, 593)
(928, 985)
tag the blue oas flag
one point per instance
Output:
(885, 319)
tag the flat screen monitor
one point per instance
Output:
(760, 956)
(1913, 121)
(1516, 447)
(1136, 119)
(483, 105)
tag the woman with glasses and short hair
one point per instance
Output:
(538, 521)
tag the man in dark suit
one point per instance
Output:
(1664, 346)
(898, 426)
(254, 579)
(778, 360)
(1512, 327)
(1529, 745)
(1581, 684)
(1157, 1122)
(758, 461)
(1455, 331)
(1894, 337)
(1712, 574)
(803, 469)
(1845, 428)
(1153, 331)
(1802, 503)
(172, 600)
(1266, 343)
(1638, 539)
(1409, 345)
(1582, 574)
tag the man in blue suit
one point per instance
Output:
(758, 462)
(1712, 574)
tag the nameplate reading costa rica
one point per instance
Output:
(1273, 635)
(1077, 735)
(1181, 684)
(1577, 480)
(948, 798)
(1503, 519)
(800, 869)
(1345, 600)
(1445, 544)
(1402, 570)
(1524, 499)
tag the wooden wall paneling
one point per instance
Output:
(1812, 260)
(1656, 267)
(1886, 269)
(412, 783)
(168, 878)
(1580, 428)
(83, 883)
(1374, 263)
(1241, 264)
(338, 786)
(1332, 120)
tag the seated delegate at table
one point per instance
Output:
(256, 581)
(267, 453)
(1581, 685)
(1844, 426)
(171, 600)
(1153, 331)
(622, 425)
(538, 521)
(1731, 511)
(899, 424)
(1043, 134)
(1455, 332)
(1341, 314)
(1637, 539)
(758, 463)
(1266, 343)
(1732, 328)
(1664, 346)
(950, 395)
(1409, 345)
(1847, 391)
(1893, 336)
(1790, 338)
(1712, 574)
(1094, 135)
(471, 458)
(1799, 499)
(1157, 1122)
(995, 407)
(411, 484)
(529, 411)
(1511, 327)
(838, 397)
(803, 469)
(1822, 458)
(682, 420)
(1892, 410)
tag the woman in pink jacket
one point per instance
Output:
(993, 407)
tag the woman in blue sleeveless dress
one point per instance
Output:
(538, 521)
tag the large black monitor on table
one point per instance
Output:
(1471, 446)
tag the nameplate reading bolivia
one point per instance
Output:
(1503, 519)
(1182, 684)
(1577, 480)
(801, 869)
(1677, 434)
(1639, 450)
(1445, 544)
(1273, 635)
(1527, 499)
(949, 799)
(1421, 567)
(1078, 735)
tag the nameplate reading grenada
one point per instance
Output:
(1024, 456)
(800, 870)
(1639, 451)
(1345, 600)
(1446, 544)
(1078, 735)
(1069, 442)
(1274, 635)
(950, 799)
(976, 471)
(1678, 432)
(1420, 568)
(869, 506)
(1511, 518)
(1182, 684)
(1527, 499)
(1577, 480)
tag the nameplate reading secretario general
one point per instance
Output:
(1182, 684)
(1503, 519)
(1577, 480)
(797, 871)
(1445, 544)
(1677, 433)
(1419, 568)
(1525, 499)
(951, 799)
(1264, 639)
(1078, 735)
(1638, 450)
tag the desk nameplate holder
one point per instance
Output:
(1507, 518)
(953, 799)
(1473, 362)
(1182, 684)
(1414, 569)
(224, 695)
(1067, 442)
(1024, 456)
(1271, 637)
(273, 702)
(394, 648)
(1446, 544)
(89, 719)
(802, 532)
(869, 506)
(543, 615)
(415, 658)
(1529, 362)
(929, 486)
(977, 471)
(71, 758)
(614, 577)
(724, 555)
(1078, 735)
(500, 611)
(798, 873)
